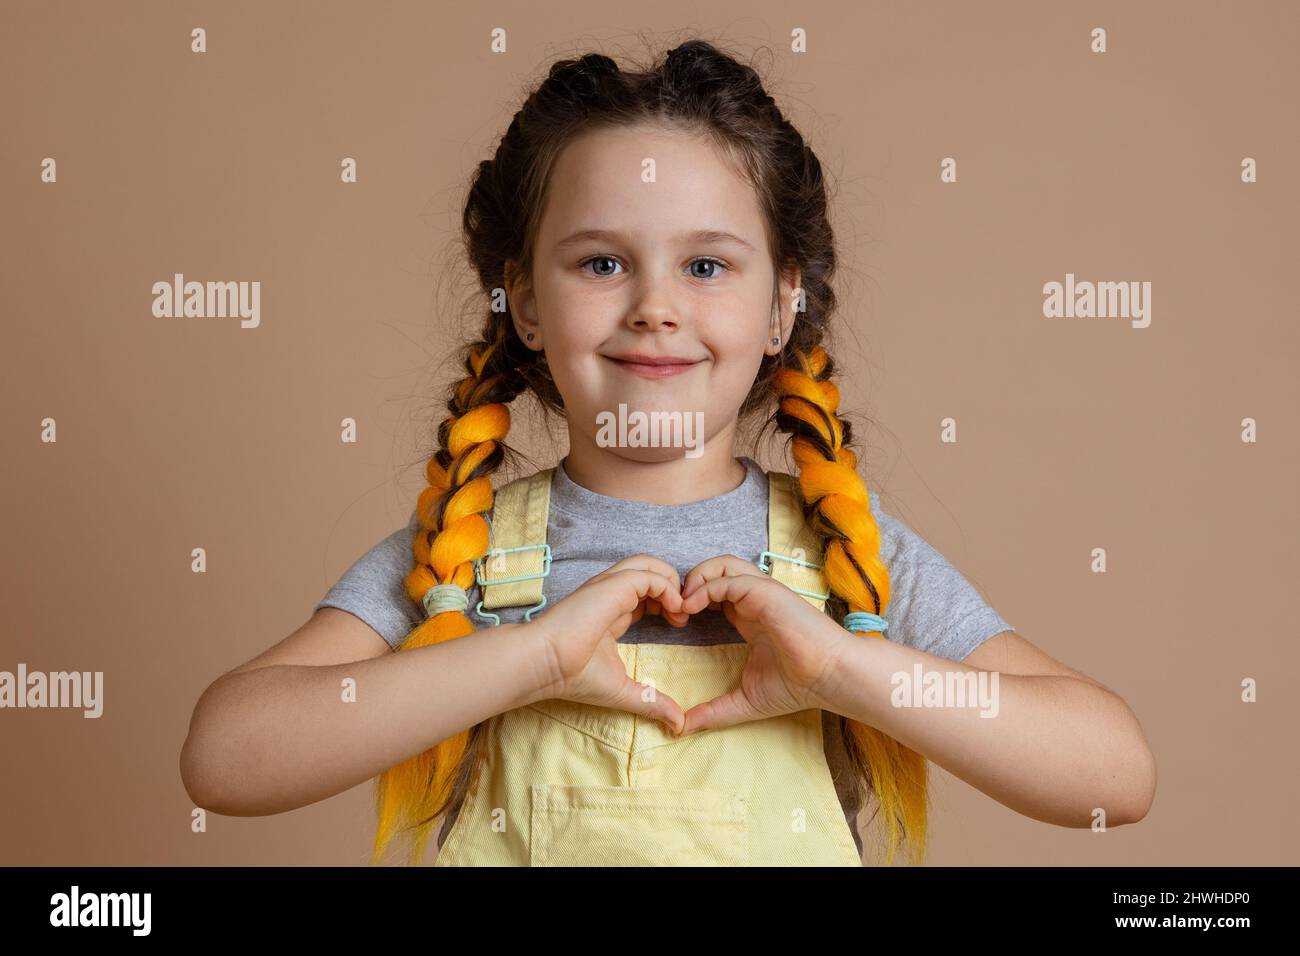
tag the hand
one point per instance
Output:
(793, 646)
(579, 634)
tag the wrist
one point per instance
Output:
(857, 685)
(543, 681)
(853, 661)
(826, 692)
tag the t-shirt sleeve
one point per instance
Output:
(932, 606)
(374, 588)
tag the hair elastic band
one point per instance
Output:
(864, 621)
(445, 597)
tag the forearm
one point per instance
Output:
(1055, 748)
(281, 737)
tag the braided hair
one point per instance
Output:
(696, 86)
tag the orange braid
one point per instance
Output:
(453, 535)
(839, 509)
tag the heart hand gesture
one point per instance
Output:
(793, 646)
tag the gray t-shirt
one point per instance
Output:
(932, 606)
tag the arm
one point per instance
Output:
(276, 734)
(1060, 744)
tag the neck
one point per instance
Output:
(673, 480)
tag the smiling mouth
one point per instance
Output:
(647, 370)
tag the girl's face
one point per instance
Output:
(650, 245)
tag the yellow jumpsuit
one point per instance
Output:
(571, 784)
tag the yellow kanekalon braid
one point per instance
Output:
(453, 535)
(829, 482)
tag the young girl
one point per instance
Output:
(650, 654)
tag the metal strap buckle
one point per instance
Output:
(494, 552)
(766, 567)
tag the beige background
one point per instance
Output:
(180, 433)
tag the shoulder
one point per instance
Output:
(933, 606)
(373, 588)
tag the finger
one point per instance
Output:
(645, 586)
(715, 591)
(648, 562)
(676, 619)
(724, 565)
(650, 702)
(724, 711)
(625, 593)
(706, 569)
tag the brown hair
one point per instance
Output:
(695, 87)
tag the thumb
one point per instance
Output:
(650, 702)
(726, 710)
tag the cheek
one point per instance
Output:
(568, 339)
(741, 322)
(737, 343)
(736, 363)
(574, 363)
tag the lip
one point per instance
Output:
(653, 366)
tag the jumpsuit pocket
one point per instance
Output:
(637, 826)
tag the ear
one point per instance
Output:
(523, 306)
(789, 304)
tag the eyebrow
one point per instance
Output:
(698, 235)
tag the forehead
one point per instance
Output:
(651, 182)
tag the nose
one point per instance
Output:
(653, 311)
(653, 314)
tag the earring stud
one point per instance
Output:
(530, 336)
